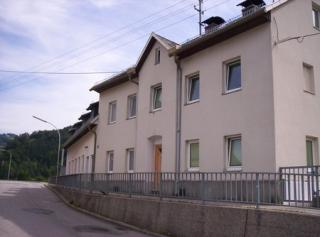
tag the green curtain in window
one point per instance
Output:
(194, 155)
(309, 153)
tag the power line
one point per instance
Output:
(115, 37)
(85, 45)
(128, 42)
(64, 73)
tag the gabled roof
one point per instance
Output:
(132, 72)
(166, 43)
(85, 116)
(93, 105)
(115, 80)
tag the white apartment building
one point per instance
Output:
(244, 96)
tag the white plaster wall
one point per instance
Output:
(156, 127)
(297, 114)
(119, 136)
(248, 112)
(82, 147)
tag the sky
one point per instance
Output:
(80, 36)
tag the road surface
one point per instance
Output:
(29, 209)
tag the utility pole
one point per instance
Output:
(59, 142)
(199, 10)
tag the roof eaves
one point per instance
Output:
(79, 133)
(229, 30)
(166, 43)
(115, 80)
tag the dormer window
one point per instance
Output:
(157, 56)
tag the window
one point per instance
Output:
(112, 112)
(316, 16)
(130, 160)
(233, 76)
(132, 106)
(193, 155)
(110, 160)
(157, 56)
(234, 159)
(193, 88)
(156, 97)
(308, 76)
(311, 151)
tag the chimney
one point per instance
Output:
(250, 6)
(213, 23)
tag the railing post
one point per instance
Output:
(108, 182)
(80, 181)
(257, 190)
(317, 195)
(160, 188)
(130, 185)
(202, 188)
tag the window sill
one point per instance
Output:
(133, 117)
(192, 102)
(193, 169)
(155, 110)
(111, 123)
(130, 171)
(234, 169)
(309, 92)
(231, 91)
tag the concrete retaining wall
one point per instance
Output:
(181, 219)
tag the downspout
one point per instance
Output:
(178, 114)
(93, 165)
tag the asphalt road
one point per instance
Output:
(30, 209)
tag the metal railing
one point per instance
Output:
(288, 189)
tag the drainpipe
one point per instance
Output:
(178, 114)
(93, 166)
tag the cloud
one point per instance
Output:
(34, 32)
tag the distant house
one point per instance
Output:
(80, 146)
(242, 97)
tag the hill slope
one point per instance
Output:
(34, 155)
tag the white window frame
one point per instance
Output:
(189, 79)
(315, 147)
(129, 104)
(129, 150)
(111, 111)
(108, 161)
(315, 15)
(157, 56)
(153, 89)
(188, 150)
(311, 68)
(228, 140)
(227, 66)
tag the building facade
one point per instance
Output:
(242, 97)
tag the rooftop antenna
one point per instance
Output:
(199, 10)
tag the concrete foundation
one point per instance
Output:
(186, 219)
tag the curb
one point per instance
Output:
(60, 196)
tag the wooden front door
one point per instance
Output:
(157, 158)
(157, 168)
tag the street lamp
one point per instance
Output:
(42, 120)
(9, 169)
